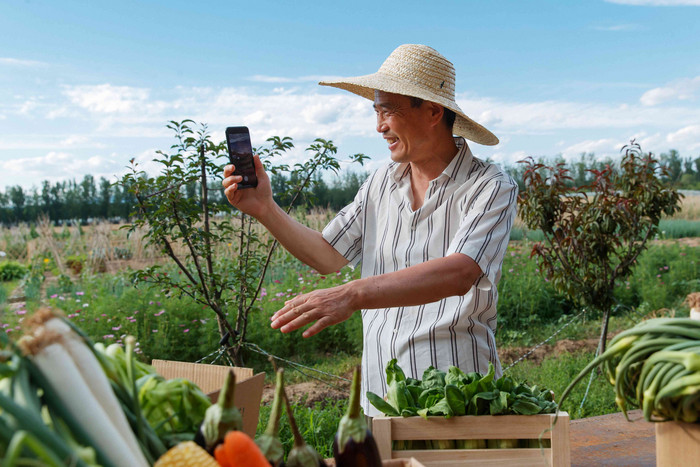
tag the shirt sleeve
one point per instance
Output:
(484, 231)
(344, 232)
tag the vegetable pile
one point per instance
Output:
(655, 366)
(67, 401)
(454, 393)
(65, 404)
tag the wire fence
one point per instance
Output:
(221, 355)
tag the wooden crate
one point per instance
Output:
(388, 429)
(387, 463)
(677, 443)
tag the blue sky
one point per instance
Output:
(87, 85)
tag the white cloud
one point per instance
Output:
(681, 90)
(689, 135)
(57, 166)
(20, 62)
(604, 146)
(657, 2)
(106, 98)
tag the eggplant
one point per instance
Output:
(269, 442)
(220, 418)
(354, 445)
(301, 455)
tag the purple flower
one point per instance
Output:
(159, 313)
(108, 336)
(21, 312)
(154, 330)
(54, 295)
(80, 293)
(117, 328)
(186, 330)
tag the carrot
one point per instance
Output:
(220, 456)
(241, 451)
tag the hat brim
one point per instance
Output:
(366, 85)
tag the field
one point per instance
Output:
(86, 272)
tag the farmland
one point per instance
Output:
(86, 272)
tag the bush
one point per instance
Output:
(76, 263)
(12, 270)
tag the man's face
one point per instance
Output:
(402, 126)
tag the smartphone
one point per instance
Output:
(240, 151)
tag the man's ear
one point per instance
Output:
(436, 111)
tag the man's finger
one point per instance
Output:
(317, 327)
(301, 320)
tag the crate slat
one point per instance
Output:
(388, 429)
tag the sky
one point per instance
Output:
(87, 85)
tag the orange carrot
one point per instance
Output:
(220, 456)
(241, 451)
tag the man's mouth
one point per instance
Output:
(391, 141)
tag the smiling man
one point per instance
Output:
(430, 230)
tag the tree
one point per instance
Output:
(17, 198)
(172, 217)
(594, 234)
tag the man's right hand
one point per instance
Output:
(252, 201)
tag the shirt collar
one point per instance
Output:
(456, 170)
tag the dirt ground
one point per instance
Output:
(311, 392)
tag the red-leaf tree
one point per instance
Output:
(594, 234)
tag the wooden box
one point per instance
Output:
(521, 427)
(677, 443)
(210, 379)
(387, 463)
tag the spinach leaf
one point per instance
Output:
(381, 405)
(396, 395)
(441, 407)
(455, 399)
(455, 376)
(433, 378)
(394, 372)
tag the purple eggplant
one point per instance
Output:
(354, 445)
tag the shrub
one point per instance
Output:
(12, 270)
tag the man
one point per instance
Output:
(430, 228)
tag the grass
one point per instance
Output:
(679, 228)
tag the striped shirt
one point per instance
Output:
(468, 209)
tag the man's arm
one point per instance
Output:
(304, 243)
(416, 285)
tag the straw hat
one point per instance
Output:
(418, 71)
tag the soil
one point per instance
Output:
(312, 392)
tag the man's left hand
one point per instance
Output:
(324, 306)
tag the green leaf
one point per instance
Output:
(381, 405)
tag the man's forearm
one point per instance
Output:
(423, 283)
(306, 244)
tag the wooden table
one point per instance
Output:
(612, 440)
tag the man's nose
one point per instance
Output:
(381, 125)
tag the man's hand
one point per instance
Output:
(252, 201)
(324, 306)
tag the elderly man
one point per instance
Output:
(430, 229)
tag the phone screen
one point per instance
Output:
(240, 153)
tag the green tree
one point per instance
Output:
(594, 234)
(170, 216)
(18, 198)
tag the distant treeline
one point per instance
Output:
(90, 199)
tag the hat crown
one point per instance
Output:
(422, 66)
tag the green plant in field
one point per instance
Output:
(175, 219)
(594, 234)
(11, 270)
